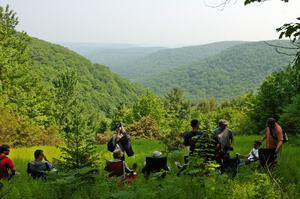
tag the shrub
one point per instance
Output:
(146, 127)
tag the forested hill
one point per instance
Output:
(99, 87)
(113, 55)
(226, 74)
(164, 60)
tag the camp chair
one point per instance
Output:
(155, 165)
(115, 169)
(36, 173)
(267, 157)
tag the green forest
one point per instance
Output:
(55, 99)
(222, 70)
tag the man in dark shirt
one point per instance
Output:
(188, 136)
(39, 166)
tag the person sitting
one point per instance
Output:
(7, 167)
(252, 156)
(39, 167)
(117, 167)
(155, 163)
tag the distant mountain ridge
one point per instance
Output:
(221, 69)
(112, 55)
(227, 74)
(167, 59)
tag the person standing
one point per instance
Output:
(223, 137)
(120, 141)
(188, 136)
(274, 135)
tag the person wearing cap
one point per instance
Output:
(7, 167)
(118, 157)
(223, 138)
(223, 135)
(155, 154)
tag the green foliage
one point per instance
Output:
(178, 110)
(227, 74)
(28, 67)
(149, 105)
(291, 115)
(146, 127)
(168, 59)
(275, 93)
(201, 162)
(24, 98)
(73, 119)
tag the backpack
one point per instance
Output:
(1, 169)
(284, 135)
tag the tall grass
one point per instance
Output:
(243, 186)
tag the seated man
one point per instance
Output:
(7, 167)
(117, 167)
(253, 155)
(155, 163)
(39, 167)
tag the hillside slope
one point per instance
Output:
(99, 87)
(167, 59)
(227, 74)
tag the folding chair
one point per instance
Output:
(115, 169)
(267, 158)
(155, 165)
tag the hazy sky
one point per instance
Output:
(151, 22)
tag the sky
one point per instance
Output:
(151, 22)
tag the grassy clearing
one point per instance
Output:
(242, 186)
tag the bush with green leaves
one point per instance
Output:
(75, 125)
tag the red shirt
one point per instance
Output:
(5, 165)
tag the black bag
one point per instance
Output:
(124, 143)
(1, 170)
(110, 145)
(284, 135)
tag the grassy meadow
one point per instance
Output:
(173, 186)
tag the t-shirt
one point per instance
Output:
(188, 139)
(5, 164)
(253, 155)
(223, 137)
(40, 166)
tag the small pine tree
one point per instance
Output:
(75, 125)
(201, 161)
